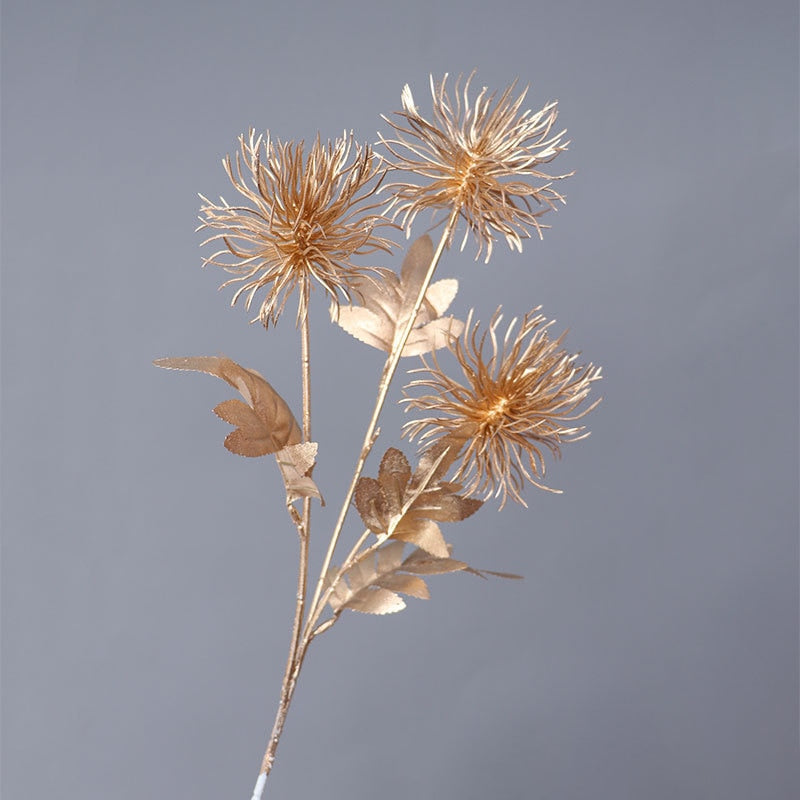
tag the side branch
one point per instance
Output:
(390, 367)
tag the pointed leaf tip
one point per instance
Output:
(265, 424)
(389, 300)
(295, 462)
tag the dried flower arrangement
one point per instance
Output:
(306, 218)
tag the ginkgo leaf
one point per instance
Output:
(264, 423)
(406, 506)
(295, 462)
(389, 300)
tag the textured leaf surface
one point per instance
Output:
(424, 533)
(296, 462)
(264, 423)
(407, 506)
(388, 302)
(373, 585)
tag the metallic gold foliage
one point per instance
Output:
(307, 218)
(295, 462)
(388, 301)
(374, 583)
(303, 220)
(407, 507)
(520, 399)
(478, 157)
(264, 423)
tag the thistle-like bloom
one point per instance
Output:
(304, 221)
(480, 158)
(521, 399)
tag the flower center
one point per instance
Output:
(302, 235)
(496, 411)
(464, 169)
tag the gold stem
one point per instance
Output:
(299, 644)
(389, 369)
(303, 524)
(352, 557)
(305, 357)
(305, 534)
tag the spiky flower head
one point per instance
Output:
(478, 158)
(512, 404)
(303, 220)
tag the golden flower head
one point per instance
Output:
(522, 398)
(304, 220)
(480, 159)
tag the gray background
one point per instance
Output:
(148, 574)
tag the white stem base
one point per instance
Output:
(259, 790)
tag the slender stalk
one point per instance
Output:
(314, 615)
(299, 644)
(305, 358)
(389, 369)
(303, 524)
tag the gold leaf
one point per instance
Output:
(412, 585)
(264, 423)
(361, 588)
(422, 563)
(248, 439)
(375, 600)
(388, 302)
(443, 506)
(372, 584)
(371, 504)
(424, 533)
(296, 462)
(440, 456)
(365, 325)
(394, 474)
(237, 413)
(390, 556)
(406, 506)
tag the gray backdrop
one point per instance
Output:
(148, 574)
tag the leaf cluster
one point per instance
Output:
(373, 584)
(408, 506)
(388, 301)
(264, 423)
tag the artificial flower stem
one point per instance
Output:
(357, 554)
(352, 557)
(389, 369)
(303, 529)
(305, 358)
